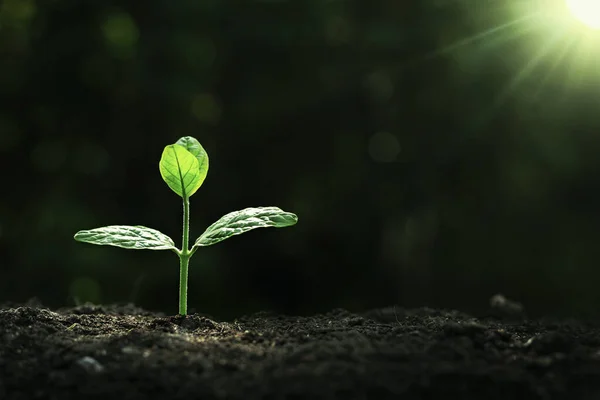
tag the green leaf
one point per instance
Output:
(180, 170)
(241, 221)
(193, 146)
(127, 237)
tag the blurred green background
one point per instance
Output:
(436, 152)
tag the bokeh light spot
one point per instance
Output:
(121, 34)
(379, 85)
(384, 147)
(196, 52)
(206, 108)
(337, 31)
(17, 11)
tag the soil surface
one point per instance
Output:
(122, 352)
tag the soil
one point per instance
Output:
(122, 352)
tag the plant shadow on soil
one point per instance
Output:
(99, 352)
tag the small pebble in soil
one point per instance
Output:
(90, 364)
(503, 307)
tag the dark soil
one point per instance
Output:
(121, 352)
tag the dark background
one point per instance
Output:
(436, 152)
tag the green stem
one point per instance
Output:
(184, 258)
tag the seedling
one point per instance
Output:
(184, 166)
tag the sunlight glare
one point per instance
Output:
(586, 11)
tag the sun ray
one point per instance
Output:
(545, 51)
(527, 70)
(503, 28)
(558, 59)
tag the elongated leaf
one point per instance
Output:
(241, 221)
(193, 146)
(127, 237)
(180, 170)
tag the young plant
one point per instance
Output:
(183, 166)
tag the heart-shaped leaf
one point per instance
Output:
(241, 221)
(180, 169)
(127, 237)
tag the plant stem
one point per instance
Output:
(184, 258)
